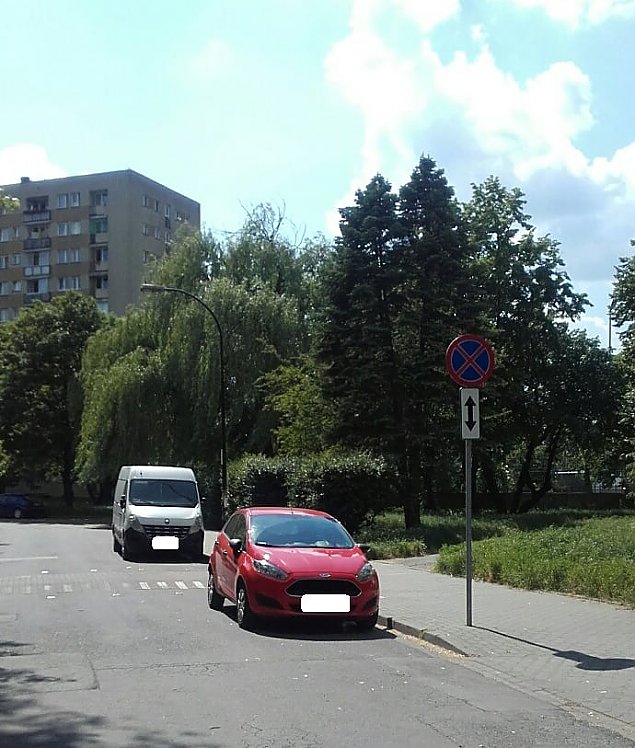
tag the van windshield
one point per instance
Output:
(163, 492)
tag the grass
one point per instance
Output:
(579, 552)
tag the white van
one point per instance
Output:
(157, 508)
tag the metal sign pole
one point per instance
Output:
(468, 530)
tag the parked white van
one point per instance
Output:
(157, 508)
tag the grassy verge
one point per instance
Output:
(593, 557)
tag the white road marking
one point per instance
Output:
(50, 597)
(181, 585)
(162, 584)
(144, 585)
(47, 587)
(31, 558)
(198, 584)
(67, 588)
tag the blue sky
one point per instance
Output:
(300, 102)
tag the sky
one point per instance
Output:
(299, 103)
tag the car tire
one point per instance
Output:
(17, 514)
(214, 599)
(369, 623)
(125, 551)
(116, 545)
(244, 616)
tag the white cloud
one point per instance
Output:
(575, 13)
(26, 160)
(428, 14)
(212, 60)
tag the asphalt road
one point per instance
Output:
(95, 651)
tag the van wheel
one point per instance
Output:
(244, 616)
(116, 545)
(125, 552)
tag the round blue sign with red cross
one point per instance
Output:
(469, 360)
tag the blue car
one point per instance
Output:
(16, 506)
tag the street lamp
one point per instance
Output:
(153, 288)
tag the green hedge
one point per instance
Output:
(352, 486)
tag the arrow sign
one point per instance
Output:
(470, 413)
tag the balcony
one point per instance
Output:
(36, 271)
(99, 267)
(29, 298)
(36, 216)
(42, 243)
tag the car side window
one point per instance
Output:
(231, 526)
(241, 529)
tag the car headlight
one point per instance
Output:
(134, 523)
(197, 523)
(365, 573)
(269, 569)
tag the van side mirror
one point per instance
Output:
(122, 501)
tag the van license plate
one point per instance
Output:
(325, 604)
(165, 543)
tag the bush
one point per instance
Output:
(352, 486)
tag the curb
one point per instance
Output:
(389, 623)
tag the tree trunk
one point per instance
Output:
(524, 477)
(67, 475)
(538, 493)
(492, 488)
(411, 511)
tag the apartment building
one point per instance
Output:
(93, 233)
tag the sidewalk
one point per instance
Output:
(573, 652)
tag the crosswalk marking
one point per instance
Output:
(76, 583)
(67, 588)
(144, 585)
(198, 584)
(163, 585)
(181, 585)
(47, 587)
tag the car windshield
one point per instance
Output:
(163, 492)
(298, 531)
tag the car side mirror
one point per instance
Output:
(363, 547)
(236, 544)
(122, 502)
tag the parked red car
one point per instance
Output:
(280, 562)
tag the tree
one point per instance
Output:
(40, 359)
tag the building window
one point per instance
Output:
(5, 288)
(102, 305)
(62, 200)
(168, 210)
(17, 286)
(6, 315)
(147, 229)
(74, 199)
(16, 259)
(37, 204)
(8, 234)
(4, 262)
(99, 198)
(62, 229)
(156, 206)
(101, 281)
(76, 228)
(145, 201)
(69, 283)
(98, 225)
(38, 285)
(39, 258)
(168, 236)
(101, 254)
(157, 232)
(65, 256)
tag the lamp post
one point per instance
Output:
(153, 288)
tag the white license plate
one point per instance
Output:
(165, 543)
(325, 604)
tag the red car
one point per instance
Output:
(280, 562)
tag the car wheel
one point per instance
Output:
(369, 623)
(214, 599)
(116, 545)
(125, 552)
(244, 616)
(17, 513)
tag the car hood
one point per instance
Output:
(346, 561)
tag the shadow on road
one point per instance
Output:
(310, 629)
(585, 661)
(26, 723)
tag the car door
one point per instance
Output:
(117, 510)
(221, 552)
(232, 556)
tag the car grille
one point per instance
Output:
(323, 587)
(179, 531)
